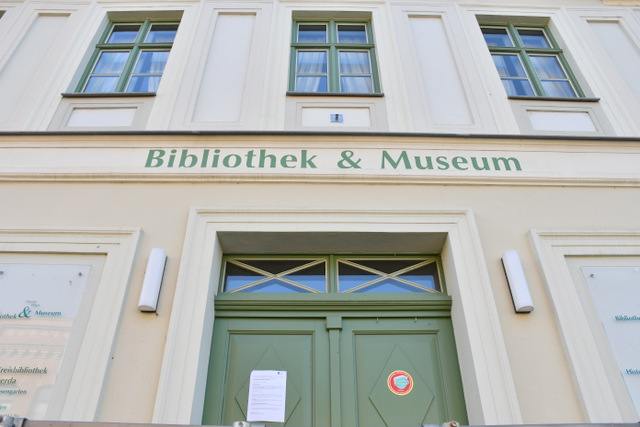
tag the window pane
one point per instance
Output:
(355, 273)
(547, 67)
(558, 88)
(352, 33)
(259, 275)
(100, 84)
(356, 84)
(532, 66)
(387, 266)
(312, 33)
(162, 33)
(151, 62)
(313, 277)
(237, 276)
(110, 63)
(497, 37)
(311, 62)
(509, 65)
(533, 38)
(350, 277)
(518, 87)
(304, 275)
(142, 72)
(311, 84)
(426, 280)
(144, 84)
(354, 62)
(124, 33)
(274, 286)
(315, 65)
(425, 275)
(389, 285)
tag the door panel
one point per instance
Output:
(339, 370)
(243, 345)
(399, 372)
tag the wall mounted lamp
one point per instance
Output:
(517, 282)
(152, 280)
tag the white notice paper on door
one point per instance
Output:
(267, 396)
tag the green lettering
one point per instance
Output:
(475, 165)
(442, 162)
(205, 157)
(191, 158)
(216, 157)
(227, 161)
(264, 157)
(286, 159)
(386, 157)
(250, 155)
(154, 159)
(307, 162)
(458, 162)
(505, 163)
(172, 158)
(419, 164)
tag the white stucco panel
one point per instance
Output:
(581, 164)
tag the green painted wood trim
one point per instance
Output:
(334, 373)
(134, 49)
(293, 58)
(524, 52)
(332, 47)
(423, 304)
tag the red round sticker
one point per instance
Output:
(400, 382)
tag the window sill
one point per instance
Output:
(551, 99)
(108, 95)
(338, 94)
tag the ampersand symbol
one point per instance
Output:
(25, 312)
(347, 161)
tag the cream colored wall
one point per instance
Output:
(229, 68)
(505, 211)
(503, 215)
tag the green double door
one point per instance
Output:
(343, 370)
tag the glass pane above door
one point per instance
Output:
(331, 274)
(385, 275)
(275, 275)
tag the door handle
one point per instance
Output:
(246, 424)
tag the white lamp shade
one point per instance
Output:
(152, 280)
(517, 282)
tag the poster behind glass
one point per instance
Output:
(616, 296)
(38, 305)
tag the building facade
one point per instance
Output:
(412, 211)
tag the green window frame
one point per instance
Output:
(321, 274)
(333, 56)
(530, 62)
(129, 57)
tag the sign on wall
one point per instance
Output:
(38, 306)
(235, 162)
(616, 295)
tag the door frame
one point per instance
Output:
(488, 383)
